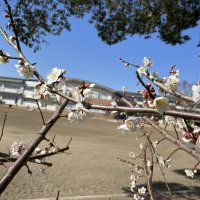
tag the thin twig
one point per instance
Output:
(176, 132)
(147, 174)
(13, 25)
(143, 84)
(196, 166)
(4, 122)
(172, 153)
(58, 194)
(41, 114)
(29, 171)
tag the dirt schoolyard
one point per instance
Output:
(91, 168)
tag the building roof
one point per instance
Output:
(15, 80)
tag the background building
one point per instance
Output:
(15, 91)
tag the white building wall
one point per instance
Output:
(19, 92)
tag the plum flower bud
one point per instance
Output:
(12, 38)
(6, 15)
(147, 62)
(161, 104)
(127, 64)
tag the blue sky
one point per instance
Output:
(82, 53)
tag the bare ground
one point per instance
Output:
(92, 168)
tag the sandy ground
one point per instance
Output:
(92, 168)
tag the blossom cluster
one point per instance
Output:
(130, 124)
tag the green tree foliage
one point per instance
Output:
(114, 20)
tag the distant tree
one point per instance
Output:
(114, 20)
(185, 88)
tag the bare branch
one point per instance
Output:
(178, 143)
(172, 153)
(14, 169)
(147, 174)
(147, 88)
(13, 25)
(173, 113)
(42, 116)
(58, 194)
(4, 122)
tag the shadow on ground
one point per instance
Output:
(182, 172)
(178, 190)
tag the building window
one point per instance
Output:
(29, 88)
(9, 98)
(28, 100)
(12, 86)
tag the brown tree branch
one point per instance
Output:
(173, 113)
(177, 142)
(8, 158)
(14, 169)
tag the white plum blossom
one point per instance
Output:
(163, 163)
(141, 70)
(168, 163)
(133, 179)
(171, 82)
(54, 75)
(160, 161)
(80, 114)
(147, 62)
(26, 70)
(142, 190)
(155, 144)
(39, 151)
(133, 155)
(161, 104)
(148, 163)
(138, 169)
(87, 90)
(141, 146)
(4, 59)
(196, 93)
(17, 149)
(190, 172)
(130, 124)
(76, 95)
(41, 92)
